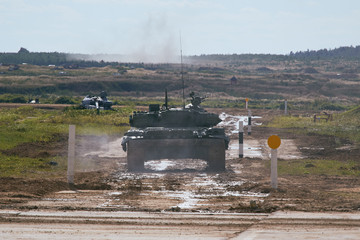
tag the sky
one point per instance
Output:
(141, 28)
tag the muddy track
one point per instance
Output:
(103, 183)
(180, 199)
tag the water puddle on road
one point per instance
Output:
(205, 187)
(252, 149)
(188, 190)
(159, 165)
(231, 122)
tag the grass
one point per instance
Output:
(345, 125)
(318, 167)
(27, 124)
(13, 166)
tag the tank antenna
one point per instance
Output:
(182, 73)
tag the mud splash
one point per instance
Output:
(111, 149)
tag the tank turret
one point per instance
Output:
(97, 102)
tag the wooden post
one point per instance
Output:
(241, 139)
(71, 155)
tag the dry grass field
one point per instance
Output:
(297, 81)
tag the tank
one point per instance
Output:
(175, 133)
(97, 102)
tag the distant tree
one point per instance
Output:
(23, 50)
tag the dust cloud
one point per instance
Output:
(155, 41)
(95, 153)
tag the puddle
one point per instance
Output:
(189, 199)
(175, 164)
(191, 190)
(258, 149)
(252, 149)
(205, 187)
(110, 204)
(59, 199)
(159, 165)
(312, 148)
(232, 122)
(115, 193)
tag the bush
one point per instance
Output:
(19, 99)
(64, 100)
(8, 98)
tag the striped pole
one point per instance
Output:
(241, 139)
(249, 123)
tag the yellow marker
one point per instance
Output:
(246, 99)
(274, 141)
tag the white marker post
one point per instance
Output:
(249, 123)
(274, 174)
(246, 103)
(241, 139)
(71, 155)
(286, 107)
(274, 142)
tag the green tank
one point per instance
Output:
(187, 132)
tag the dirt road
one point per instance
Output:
(145, 225)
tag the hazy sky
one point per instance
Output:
(140, 27)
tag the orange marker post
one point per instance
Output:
(274, 142)
(246, 103)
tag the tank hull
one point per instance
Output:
(211, 150)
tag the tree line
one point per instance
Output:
(55, 58)
(345, 53)
(48, 58)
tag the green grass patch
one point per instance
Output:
(345, 125)
(13, 166)
(318, 167)
(28, 124)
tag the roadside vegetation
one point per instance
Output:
(345, 127)
(319, 167)
(26, 127)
